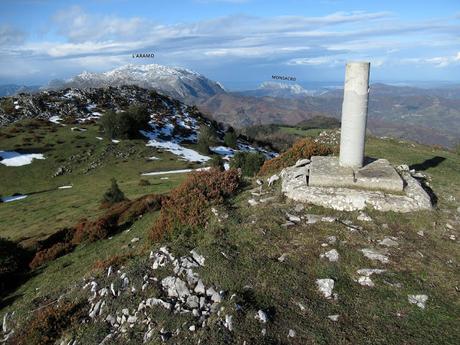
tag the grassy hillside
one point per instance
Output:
(253, 255)
(90, 163)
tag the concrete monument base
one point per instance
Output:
(376, 175)
(324, 182)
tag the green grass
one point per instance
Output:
(252, 239)
(41, 214)
(300, 132)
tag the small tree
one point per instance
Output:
(248, 162)
(125, 125)
(206, 138)
(230, 138)
(113, 194)
(217, 162)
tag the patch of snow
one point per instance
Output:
(115, 141)
(181, 171)
(99, 138)
(175, 148)
(153, 158)
(226, 166)
(55, 119)
(65, 187)
(223, 151)
(16, 159)
(13, 198)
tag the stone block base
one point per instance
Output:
(376, 175)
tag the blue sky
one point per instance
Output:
(237, 42)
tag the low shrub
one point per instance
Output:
(187, 205)
(143, 183)
(47, 255)
(125, 125)
(217, 162)
(304, 148)
(115, 261)
(230, 138)
(13, 262)
(113, 194)
(48, 324)
(206, 138)
(248, 162)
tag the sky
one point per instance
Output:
(239, 43)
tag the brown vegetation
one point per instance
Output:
(304, 148)
(48, 324)
(188, 204)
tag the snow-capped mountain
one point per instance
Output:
(179, 83)
(281, 90)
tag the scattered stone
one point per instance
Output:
(302, 163)
(328, 219)
(312, 218)
(197, 257)
(287, 224)
(282, 258)
(199, 288)
(272, 179)
(375, 255)
(418, 300)
(291, 333)
(301, 306)
(388, 242)
(299, 207)
(452, 237)
(135, 239)
(458, 209)
(367, 272)
(292, 218)
(252, 202)
(228, 322)
(421, 233)
(192, 328)
(331, 239)
(175, 287)
(334, 318)
(363, 217)
(325, 286)
(448, 226)
(331, 255)
(365, 281)
(261, 316)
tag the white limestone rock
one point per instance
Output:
(228, 322)
(261, 316)
(367, 272)
(419, 300)
(388, 242)
(372, 254)
(302, 163)
(363, 217)
(366, 281)
(325, 286)
(272, 179)
(332, 255)
(334, 318)
(291, 333)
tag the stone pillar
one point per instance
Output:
(354, 114)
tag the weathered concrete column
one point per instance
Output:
(354, 114)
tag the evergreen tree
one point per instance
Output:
(206, 138)
(230, 138)
(113, 194)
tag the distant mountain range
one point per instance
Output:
(13, 89)
(179, 83)
(426, 115)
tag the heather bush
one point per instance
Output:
(304, 148)
(48, 324)
(187, 205)
(49, 254)
(113, 194)
(13, 262)
(248, 162)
